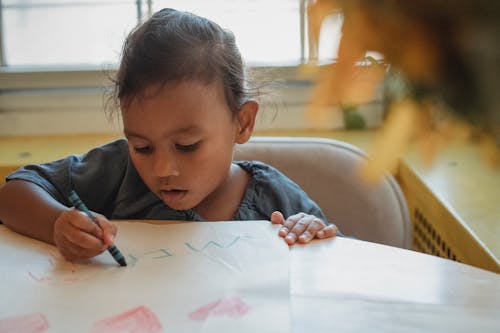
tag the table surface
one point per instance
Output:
(458, 176)
(347, 285)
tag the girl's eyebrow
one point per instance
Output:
(187, 129)
(194, 129)
(129, 134)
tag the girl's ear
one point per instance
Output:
(246, 121)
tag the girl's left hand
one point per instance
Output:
(302, 227)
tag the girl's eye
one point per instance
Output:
(187, 148)
(143, 150)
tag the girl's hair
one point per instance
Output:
(174, 46)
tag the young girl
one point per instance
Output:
(184, 103)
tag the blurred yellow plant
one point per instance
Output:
(428, 43)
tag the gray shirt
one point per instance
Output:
(108, 183)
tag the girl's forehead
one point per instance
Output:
(178, 105)
(186, 92)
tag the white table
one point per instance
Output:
(346, 285)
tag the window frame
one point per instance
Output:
(71, 77)
(38, 93)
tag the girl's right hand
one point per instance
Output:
(77, 237)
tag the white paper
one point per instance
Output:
(190, 277)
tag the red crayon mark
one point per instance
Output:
(31, 323)
(40, 278)
(232, 307)
(136, 320)
(60, 271)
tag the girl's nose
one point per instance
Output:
(165, 165)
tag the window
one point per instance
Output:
(267, 32)
(62, 33)
(82, 33)
(53, 52)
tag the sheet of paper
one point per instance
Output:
(190, 277)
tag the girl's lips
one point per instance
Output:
(171, 197)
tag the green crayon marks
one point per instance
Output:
(212, 243)
(163, 253)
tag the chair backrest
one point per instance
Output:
(328, 171)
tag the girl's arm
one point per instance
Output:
(29, 210)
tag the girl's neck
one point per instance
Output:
(222, 204)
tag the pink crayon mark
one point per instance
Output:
(31, 323)
(136, 320)
(232, 307)
(41, 278)
(61, 271)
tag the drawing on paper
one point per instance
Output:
(132, 260)
(137, 320)
(29, 323)
(212, 243)
(177, 280)
(60, 271)
(159, 254)
(232, 307)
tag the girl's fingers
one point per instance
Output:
(72, 250)
(304, 228)
(329, 231)
(82, 253)
(83, 240)
(289, 224)
(77, 236)
(108, 230)
(299, 227)
(105, 231)
(312, 229)
(82, 221)
(292, 220)
(277, 218)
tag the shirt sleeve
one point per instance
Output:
(271, 190)
(96, 176)
(275, 191)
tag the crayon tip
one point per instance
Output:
(122, 261)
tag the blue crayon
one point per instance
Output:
(78, 203)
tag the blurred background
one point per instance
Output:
(56, 56)
(414, 83)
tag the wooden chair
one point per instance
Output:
(328, 171)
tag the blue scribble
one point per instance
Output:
(132, 260)
(164, 252)
(212, 243)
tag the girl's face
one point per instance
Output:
(181, 140)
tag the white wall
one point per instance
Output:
(37, 104)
